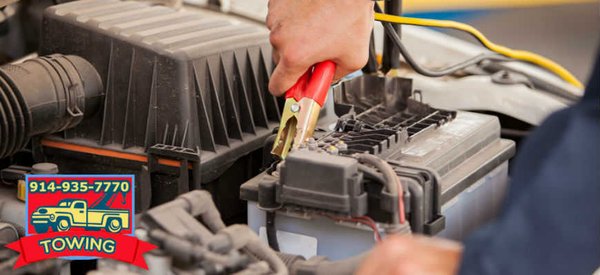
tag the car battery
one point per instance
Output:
(453, 165)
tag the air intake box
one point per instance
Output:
(183, 90)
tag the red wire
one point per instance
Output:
(371, 223)
(401, 213)
(362, 220)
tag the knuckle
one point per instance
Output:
(286, 58)
(275, 37)
(273, 87)
(269, 21)
(290, 58)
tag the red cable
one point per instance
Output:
(401, 213)
(365, 220)
(371, 223)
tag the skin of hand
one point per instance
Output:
(305, 32)
(414, 255)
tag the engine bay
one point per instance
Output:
(179, 98)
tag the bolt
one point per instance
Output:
(333, 150)
(302, 146)
(342, 146)
(312, 144)
(295, 108)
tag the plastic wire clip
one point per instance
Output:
(302, 105)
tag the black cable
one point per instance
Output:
(537, 81)
(372, 65)
(391, 180)
(371, 173)
(389, 175)
(272, 231)
(390, 60)
(450, 69)
(391, 33)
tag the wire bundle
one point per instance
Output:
(502, 53)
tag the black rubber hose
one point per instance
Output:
(184, 251)
(417, 213)
(391, 180)
(200, 203)
(241, 236)
(45, 95)
(271, 230)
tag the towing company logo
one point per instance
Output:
(80, 216)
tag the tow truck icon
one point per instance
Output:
(75, 213)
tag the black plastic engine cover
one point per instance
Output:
(189, 80)
(178, 78)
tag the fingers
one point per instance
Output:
(351, 63)
(404, 254)
(291, 60)
(304, 33)
(284, 77)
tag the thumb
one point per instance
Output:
(284, 77)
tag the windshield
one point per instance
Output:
(64, 203)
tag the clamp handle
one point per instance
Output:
(314, 83)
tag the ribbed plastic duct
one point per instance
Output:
(45, 95)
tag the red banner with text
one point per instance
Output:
(80, 216)
(89, 244)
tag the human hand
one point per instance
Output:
(305, 32)
(413, 255)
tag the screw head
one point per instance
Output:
(295, 108)
(333, 150)
(341, 145)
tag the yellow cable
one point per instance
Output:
(516, 54)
